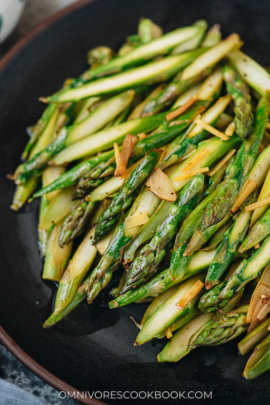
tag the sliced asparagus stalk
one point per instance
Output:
(77, 299)
(242, 102)
(258, 232)
(72, 176)
(85, 108)
(108, 263)
(58, 208)
(47, 134)
(221, 330)
(259, 361)
(137, 56)
(247, 270)
(253, 73)
(76, 221)
(73, 133)
(56, 257)
(210, 117)
(168, 312)
(153, 72)
(162, 281)
(212, 56)
(105, 139)
(23, 192)
(212, 37)
(265, 193)
(136, 113)
(48, 176)
(75, 272)
(38, 129)
(125, 197)
(173, 89)
(228, 247)
(254, 337)
(177, 347)
(157, 302)
(152, 254)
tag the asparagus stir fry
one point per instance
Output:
(156, 162)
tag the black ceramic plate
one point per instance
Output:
(93, 348)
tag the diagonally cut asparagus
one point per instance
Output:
(212, 56)
(221, 330)
(253, 73)
(159, 46)
(163, 280)
(153, 72)
(168, 312)
(73, 133)
(105, 139)
(259, 361)
(152, 254)
(242, 108)
(245, 272)
(228, 247)
(122, 200)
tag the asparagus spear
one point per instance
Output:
(265, 193)
(56, 257)
(38, 129)
(212, 56)
(105, 139)
(247, 270)
(228, 247)
(252, 73)
(77, 299)
(163, 280)
(94, 178)
(258, 232)
(178, 346)
(219, 207)
(48, 176)
(58, 208)
(216, 179)
(23, 192)
(152, 254)
(216, 149)
(212, 37)
(122, 200)
(76, 221)
(110, 260)
(254, 337)
(221, 330)
(242, 107)
(173, 90)
(75, 272)
(175, 150)
(72, 176)
(73, 133)
(259, 361)
(168, 312)
(137, 56)
(154, 72)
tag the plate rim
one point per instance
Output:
(5, 338)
